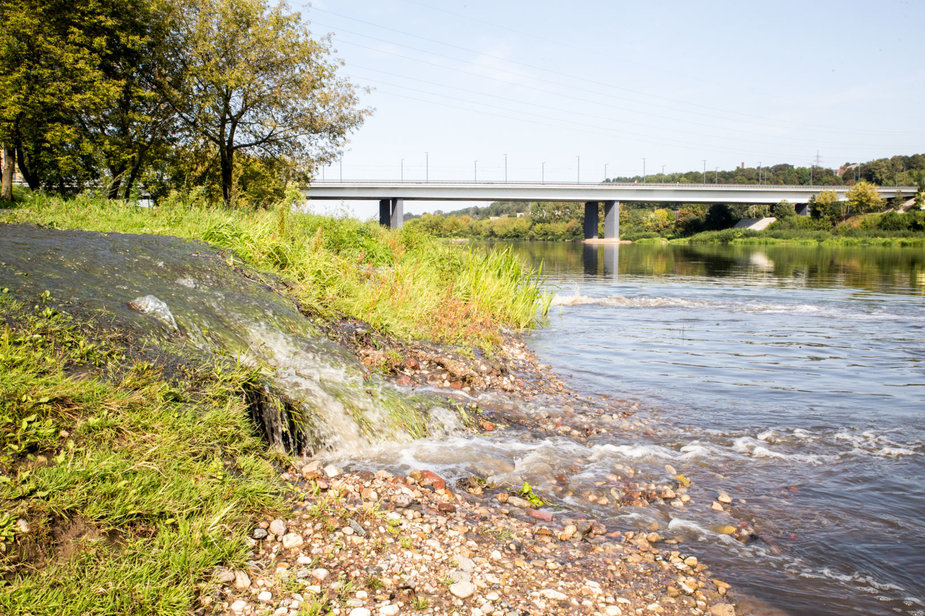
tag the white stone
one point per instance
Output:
(292, 540)
(266, 596)
(241, 580)
(613, 610)
(388, 610)
(466, 564)
(238, 606)
(360, 611)
(331, 471)
(462, 589)
(553, 595)
(278, 528)
(320, 574)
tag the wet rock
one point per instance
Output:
(539, 514)
(722, 609)
(716, 506)
(487, 426)
(724, 498)
(446, 508)
(435, 481)
(726, 529)
(331, 471)
(568, 532)
(278, 528)
(519, 502)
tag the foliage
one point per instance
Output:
(863, 197)
(783, 209)
(404, 283)
(130, 486)
(827, 207)
(95, 93)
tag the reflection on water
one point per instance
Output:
(892, 269)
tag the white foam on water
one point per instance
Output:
(636, 452)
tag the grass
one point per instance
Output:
(120, 487)
(404, 283)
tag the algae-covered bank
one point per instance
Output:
(209, 428)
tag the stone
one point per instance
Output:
(613, 610)
(726, 529)
(388, 610)
(724, 498)
(357, 528)
(278, 528)
(539, 514)
(466, 564)
(462, 589)
(716, 506)
(691, 561)
(321, 574)
(446, 507)
(259, 533)
(239, 606)
(292, 540)
(568, 532)
(242, 581)
(435, 481)
(266, 596)
(360, 611)
(722, 609)
(554, 595)
(402, 500)
(331, 471)
(519, 502)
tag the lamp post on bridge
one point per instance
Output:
(643, 170)
(426, 166)
(543, 172)
(402, 172)
(704, 170)
(505, 168)
(475, 171)
(605, 172)
(578, 177)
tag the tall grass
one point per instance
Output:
(404, 283)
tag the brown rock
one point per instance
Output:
(722, 609)
(446, 508)
(429, 478)
(539, 514)
(487, 425)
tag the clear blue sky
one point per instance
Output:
(615, 82)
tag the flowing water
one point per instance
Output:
(790, 379)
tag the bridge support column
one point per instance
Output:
(591, 220)
(391, 213)
(611, 220)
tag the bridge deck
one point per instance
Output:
(510, 191)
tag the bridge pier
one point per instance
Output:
(611, 220)
(391, 213)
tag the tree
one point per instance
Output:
(783, 209)
(826, 206)
(863, 198)
(254, 80)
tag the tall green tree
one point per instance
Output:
(863, 198)
(253, 79)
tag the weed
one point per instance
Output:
(420, 603)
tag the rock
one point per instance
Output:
(388, 610)
(539, 514)
(266, 596)
(613, 610)
(691, 561)
(519, 502)
(278, 528)
(466, 564)
(554, 595)
(724, 498)
(321, 574)
(402, 500)
(487, 426)
(722, 609)
(568, 532)
(239, 606)
(653, 537)
(446, 508)
(360, 611)
(242, 581)
(331, 471)
(292, 540)
(502, 497)
(224, 576)
(357, 528)
(726, 529)
(716, 506)
(598, 529)
(435, 481)
(462, 589)
(259, 533)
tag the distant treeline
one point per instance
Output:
(564, 221)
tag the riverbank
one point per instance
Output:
(130, 462)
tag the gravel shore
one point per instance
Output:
(360, 544)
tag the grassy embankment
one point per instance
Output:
(123, 486)
(889, 229)
(120, 487)
(402, 283)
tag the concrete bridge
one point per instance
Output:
(392, 195)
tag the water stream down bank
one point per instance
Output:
(187, 298)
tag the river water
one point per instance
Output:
(790, 378)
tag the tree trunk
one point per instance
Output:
(227, 165)
(32, 179)
(9, 163)
(116, 183)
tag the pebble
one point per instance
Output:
(331, 471)
(360, 611)
(259, 533)
(388, 610)
(724, 498)
(223, 575)
(613, 610)
(239, 606)
(266, 596)
(462, 589)
(278, 528)
(554, 595)
(292, 540)
(722, 609)
(320, 574)
(241, 580)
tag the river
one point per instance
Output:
(790, 378)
